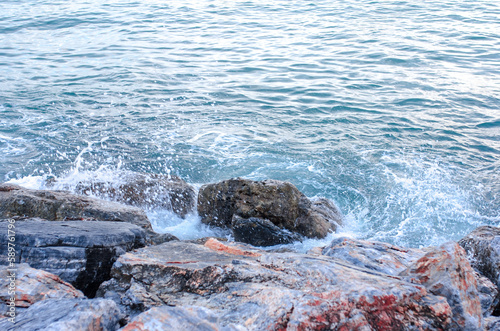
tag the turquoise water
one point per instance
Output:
(390, 108)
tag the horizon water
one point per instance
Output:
(389, 108)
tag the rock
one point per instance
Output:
(178, 318)
(483, 249)
(261, 290)
(31, 286)
(61, 205)
(488, 294)
(492, 323)
(377, 256)
(279, 202)
(445, 271)
(144, 190)
(79, 252)
(67, 314)
(260, 232)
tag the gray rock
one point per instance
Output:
(67, 314)
(272, 291)
(260, 232)
(373, 255)
(279, 202)
(492, 323)
(61, 205)
(489, 296)
(179, 318)
(30, 286)
(445, 271)
(79, 252)
(144, 190)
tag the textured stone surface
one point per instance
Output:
(488, 294)
(445, 271)
(67, 314)
(79, 252)
(260, 290)
(483, 248)
(144, 190)
(178, 318)
(377, 256)
(260, 232)
(61, 205)
(279, 202)
(31, 286)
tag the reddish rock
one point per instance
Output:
(31, 286)
(445, 271)
(61, 205)
(261, 290)
(279, 202)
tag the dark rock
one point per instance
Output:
(279, 202)
(377, 256)
(61, 205)
(260, 232)
(178, 318)
(31, 286)
(492, 323)
(272, 291)
(67, 314)
(489, 295)
(144, 190)
(445, 271)
(483, 249)
(79, 252)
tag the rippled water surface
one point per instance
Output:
(390, 108)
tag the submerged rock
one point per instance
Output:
(145, 190)
(279, 202)
(271, 291)
(31, 286)
(79, 252)
(60, 205)
(260, 232)
(67, 314)
(445, 271)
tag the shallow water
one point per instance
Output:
(390, 108)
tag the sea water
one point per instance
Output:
(389, 108)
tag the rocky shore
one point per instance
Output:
(83, 263)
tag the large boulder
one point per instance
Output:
(142, 190)
(21, 286)
(279, 202)
(67, 314)
(60, 205)
(445, 271)
(272, 291)
(79, 252)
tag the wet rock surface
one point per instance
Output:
(79, 252)
(31, 286)
(61, 205)
(279, 202)
(144, 190)
(67, 314)
(261, 290)
(260, 232)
